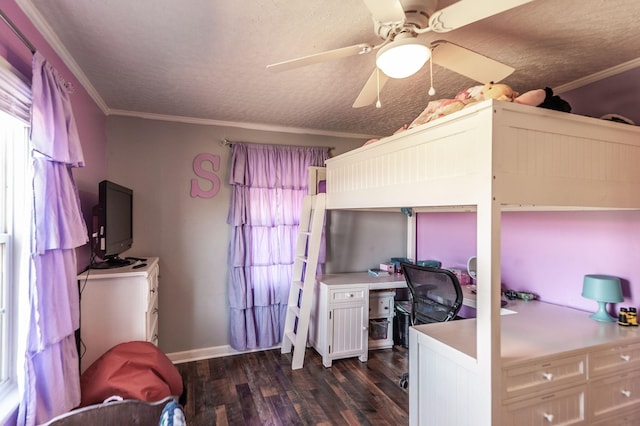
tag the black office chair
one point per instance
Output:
(436, 296)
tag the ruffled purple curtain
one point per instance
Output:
(51, 382)
(268, 185)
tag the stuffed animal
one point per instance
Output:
(532, 97)
(543, 98)
(500, 92)
(442, 107)
(554, 102)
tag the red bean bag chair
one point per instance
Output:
(131, 370)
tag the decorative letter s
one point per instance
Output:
(196, 191)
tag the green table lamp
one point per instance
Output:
(603, 289)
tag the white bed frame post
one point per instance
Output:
(412, 237)
(488, 310)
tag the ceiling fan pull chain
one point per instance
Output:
(378, 104)
(432, 91)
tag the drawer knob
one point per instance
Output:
(548, 417)
(626, 393)
(625, 358)
(547, 376)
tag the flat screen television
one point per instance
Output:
(112, 225)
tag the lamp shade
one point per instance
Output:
(603, 289)
(402, 57)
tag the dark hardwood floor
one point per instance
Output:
(261, 389)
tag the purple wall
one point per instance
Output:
(546, 253)
(91, 121)
(614, 95)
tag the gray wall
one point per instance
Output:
(190, 235)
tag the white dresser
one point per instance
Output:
(117, 305)
(558, 367)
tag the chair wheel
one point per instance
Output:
(404, 381)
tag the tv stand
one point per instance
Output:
(112, 262)
(116, 306)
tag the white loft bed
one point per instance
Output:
(490, 157)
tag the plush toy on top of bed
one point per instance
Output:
(442, 107)
(543, 98)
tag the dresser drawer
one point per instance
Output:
(542, 376)
(563, 407)
(614, 395)
(348, 294)
(614, 359)
(153, 283)
(626, 419)
(152, 322)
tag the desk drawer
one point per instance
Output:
(614, 395)
(542, 376)
(348, 294)
(614, 359)
(381, 304)
(564, 407)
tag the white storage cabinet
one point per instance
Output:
(339, 319)
(117, 305)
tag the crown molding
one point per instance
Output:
(609, 72)
(242, 125)
(51, 37)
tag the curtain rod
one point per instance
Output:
(17, 32)
(227, 142)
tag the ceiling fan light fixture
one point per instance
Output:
(402, 57)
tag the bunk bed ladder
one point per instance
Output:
(303, 278)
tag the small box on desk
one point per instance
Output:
(389, 267)
(430, 263)
(397, 261)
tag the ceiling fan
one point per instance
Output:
(399, 23)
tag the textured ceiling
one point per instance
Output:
(206, 59)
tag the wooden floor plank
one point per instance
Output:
(259, 388)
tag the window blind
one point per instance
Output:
(15, 92)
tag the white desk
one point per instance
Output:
(340, 316)
(556, 363)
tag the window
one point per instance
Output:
(13, 165)
(14, 230)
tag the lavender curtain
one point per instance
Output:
(268, 185)
(51, 382)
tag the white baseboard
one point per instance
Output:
(212, 352)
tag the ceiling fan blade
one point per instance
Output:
(372, 87)
(465, 12)
(468, 63)
(386, 11)
(343, 52)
